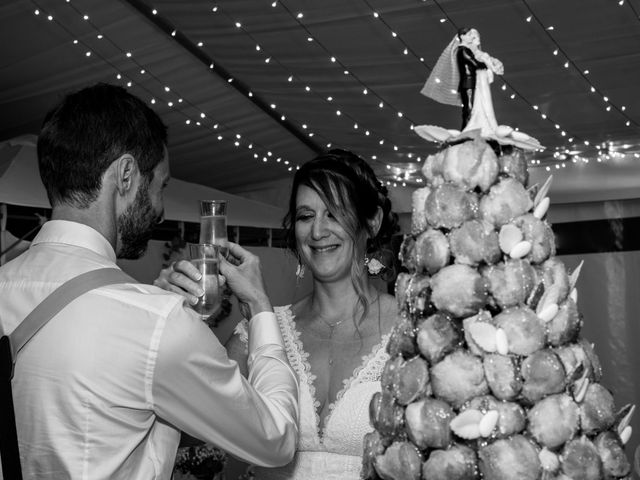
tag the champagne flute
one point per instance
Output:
(205, 258)
(213, 224)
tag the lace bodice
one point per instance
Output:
(337, 452)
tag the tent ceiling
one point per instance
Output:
(39, 61)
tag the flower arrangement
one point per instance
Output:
(201, 462)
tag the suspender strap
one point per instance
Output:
(60, 298)
(8, 438)
(12, 344)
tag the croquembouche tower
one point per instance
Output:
(489, 376)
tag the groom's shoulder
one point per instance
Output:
(150, 298)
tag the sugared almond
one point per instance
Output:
(488, 423)
(626, 434)
(547, 313)
(484, 334)
(521, 250)
(509, 237)
(550, 296)
(502, 343)
(626, 419)
(574, 295)
(580, 389)
(467, 424)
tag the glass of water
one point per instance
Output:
(204, 256)
(213, 224)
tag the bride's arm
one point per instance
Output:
(492, 63)
(237, 348)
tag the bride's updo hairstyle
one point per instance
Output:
(353, 194)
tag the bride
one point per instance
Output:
(339, 218)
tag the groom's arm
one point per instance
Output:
(201, 391)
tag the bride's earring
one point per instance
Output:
(300, 271)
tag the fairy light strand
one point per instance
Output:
(407, 48)
(216, 69)
(336, 60)
(633, 9)
(271, 58)
(580, 71)
(231, 135)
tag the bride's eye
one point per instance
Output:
(303, 217)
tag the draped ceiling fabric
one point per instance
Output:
(39, 62)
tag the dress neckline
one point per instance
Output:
(347, 383)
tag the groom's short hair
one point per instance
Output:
(86, 132)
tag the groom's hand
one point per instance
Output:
(243, 274)
(181, 277)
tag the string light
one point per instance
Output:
(569, 62)
(309, 88)
(512, 94)
(128, 82)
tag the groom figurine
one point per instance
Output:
(467, 66)
(104, 389)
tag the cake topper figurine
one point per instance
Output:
(462, 76)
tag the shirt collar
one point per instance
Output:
(76, 234)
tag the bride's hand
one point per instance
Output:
(181, 277)
(497, 66)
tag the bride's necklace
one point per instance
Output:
(332, 326)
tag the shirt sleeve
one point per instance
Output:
(200, 390)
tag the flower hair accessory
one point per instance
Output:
(374, 266)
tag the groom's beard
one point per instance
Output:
(136, 224)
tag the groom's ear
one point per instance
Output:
(125, 170)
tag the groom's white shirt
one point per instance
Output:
(104, 389)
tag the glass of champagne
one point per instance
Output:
(213, 224)
(204, 257)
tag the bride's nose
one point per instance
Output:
(319, 228)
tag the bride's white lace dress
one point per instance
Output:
(333, 450)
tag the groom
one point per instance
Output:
(104, 389)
